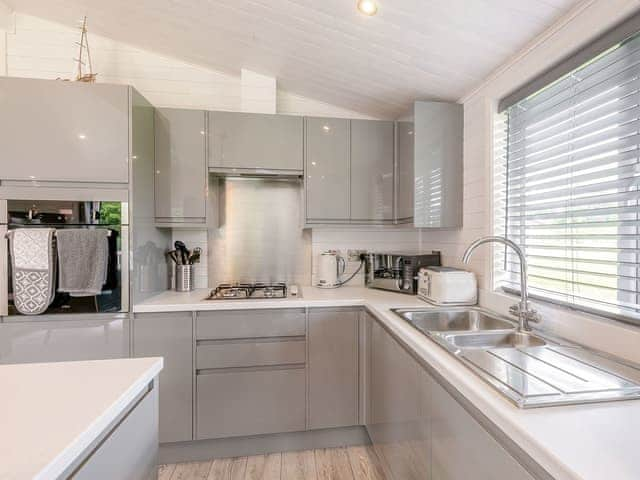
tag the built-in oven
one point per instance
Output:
(58, 214)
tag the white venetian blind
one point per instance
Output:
(566, 181)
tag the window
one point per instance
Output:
(566, 184)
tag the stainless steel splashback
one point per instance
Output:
(259, 236)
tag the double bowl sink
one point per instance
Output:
(528, 369)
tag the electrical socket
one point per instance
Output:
(354, 255)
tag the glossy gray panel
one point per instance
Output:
(250, 324)
(438, 164)
(372, 152)
(333, 368)
(404, 172)
(64, 131)
(259, 236)
(180, 165)
(327, 167)
(255, 141)
(170, 335)
(250, 353)
(59, 338)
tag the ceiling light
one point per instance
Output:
(368, 7)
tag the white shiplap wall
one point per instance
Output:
(38, 48)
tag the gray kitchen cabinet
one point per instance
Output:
(255, 141)
(404, 181)
(395, 422)
(462, 449)
(64, 131)
(170, 335)
(438, 142)
(372, 169)
(128, 450)
(327, 170)
(180, 166)
(241, 402)
(333, 368)
(59, 338)
(421, 431)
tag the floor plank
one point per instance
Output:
(191, 471)
(299, 465)
(238, 468)
(220, 469)
(264, 467)
(165, 471)
(333, 464)
(364, 463)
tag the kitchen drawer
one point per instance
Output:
(250, 402)
(250, 324)
(250, 353)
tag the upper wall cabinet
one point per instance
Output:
(327, 170)
(438, 164)
(372, 148)
(180, 166)
(64, 131)
(253, 141)
(404, 172)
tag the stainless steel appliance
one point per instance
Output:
(63, 213)
(248, 291)
(397, 272)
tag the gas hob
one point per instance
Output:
(248, 291)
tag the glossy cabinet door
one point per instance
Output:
(395, 421)
(170, 335)
(59, 338)
(180, 166)
(404, 172)
(253, 401)
(333, 368)
(438, 164)
(327, 169)
(64, 131)
(462, 449)
(255, 141)
(372, 152)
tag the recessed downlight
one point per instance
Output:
(368, 7)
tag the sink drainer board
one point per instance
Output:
(531, 370)
(554, 375)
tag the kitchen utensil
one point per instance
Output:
(181, 248)
(195, 256)
(173, 256)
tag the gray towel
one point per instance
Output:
(33, 269)
(83, 257)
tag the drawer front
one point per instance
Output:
(250, 324)
(253, 402)
(250, 353)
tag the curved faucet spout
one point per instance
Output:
(523, 311)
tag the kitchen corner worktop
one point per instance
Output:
(57, 410)
(591, 442)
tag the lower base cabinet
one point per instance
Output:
(170, 335)
(60, 338)
(250, 402)
(419, 430)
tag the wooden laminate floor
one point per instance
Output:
(348, 463)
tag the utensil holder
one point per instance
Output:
(184, 278)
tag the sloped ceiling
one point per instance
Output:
(326, 49)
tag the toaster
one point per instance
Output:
(446, 286)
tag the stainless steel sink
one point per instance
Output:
(531, 370)
(494, 340)
(454, 320)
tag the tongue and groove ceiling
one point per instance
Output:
(326, 49)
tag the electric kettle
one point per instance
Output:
(331, 267)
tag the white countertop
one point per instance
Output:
(585, 442)
(51, 412)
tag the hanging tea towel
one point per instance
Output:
(33, 266)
